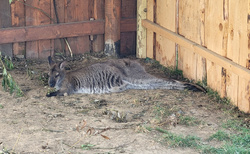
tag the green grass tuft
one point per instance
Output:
(174, 140)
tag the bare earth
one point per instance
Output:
(108, 123)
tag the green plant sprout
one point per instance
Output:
(8, 83)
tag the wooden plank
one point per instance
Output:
(204, 52)
(128, 8)
(128, 12)
(214, 40)
(128, 25)
(5, 21)
(31, 20)
(150, 33)
(18, 19)
(141, 31)
(59, 44)
(112, 27)
(237, 46)
(166, 17)
(98, 13)
(191, 26)
(44, 46)
(52, 31)
(243, 42)
(78, 10)
(129, 42)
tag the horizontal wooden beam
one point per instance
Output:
(128, 25)
(54, 31)
(202, 51)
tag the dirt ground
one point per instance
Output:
(108, 123)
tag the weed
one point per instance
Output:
(8, 82)
(1, 106)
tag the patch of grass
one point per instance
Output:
(237, 143)
(174, 140)
(189, 121)
(220, 136)
(236, 125)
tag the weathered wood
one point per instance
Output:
(191, 26)
(98, 13)
(128, 13)
(128, 8)
(31, 20)
(52, 31)
(112, 27)
(76, 10)
(241, 40)
(128, 25)
(166, 17)
(59, 7)
(141, 31)
(5, 21)
(44, 46)
(18, 19)
(150, 33)
(129, 44)
(204, 52)
(215, 24)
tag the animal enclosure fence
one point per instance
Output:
(208, 39)
(38, 28)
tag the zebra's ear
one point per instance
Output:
(51, 62)
(62, 65)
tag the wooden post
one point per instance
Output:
(112, 27)
(5, 21)
(141, 31)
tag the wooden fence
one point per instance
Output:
(208, 39)
(38, 28)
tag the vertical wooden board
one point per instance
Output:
(237, 44)
(150, 33)
(166, 17)
(5, 21)
(141, 31)
(18, 20)
(44, 46)
(59, 44)
(214, 40)
(31, 20)
(98, 13)
(191, 26)
(244, 60)
(78, 10)
(128, 45)
(128, 8)
(244, 95)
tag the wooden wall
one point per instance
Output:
(30, 13)
(207, 39)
